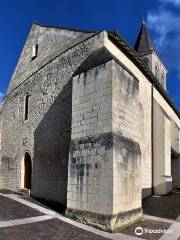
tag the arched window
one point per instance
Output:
(26, 106)
(34, 51)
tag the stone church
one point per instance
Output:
(87, 125)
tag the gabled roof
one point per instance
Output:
(64, 28)
(143, 42)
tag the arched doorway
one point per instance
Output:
(27, 170)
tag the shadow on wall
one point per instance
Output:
(51, 149)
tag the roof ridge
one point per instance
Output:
(64, 28)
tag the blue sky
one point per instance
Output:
(124, 16)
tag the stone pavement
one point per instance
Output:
(44, 224)
(22, 219)
(12, 213)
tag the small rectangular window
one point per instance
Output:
(26, 106)
(34, 51)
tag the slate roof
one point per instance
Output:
(143, 42)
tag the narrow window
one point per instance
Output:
(34, 51)
(26, 106)
(156, 71)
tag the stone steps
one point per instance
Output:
(23, 192)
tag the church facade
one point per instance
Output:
(87, 125)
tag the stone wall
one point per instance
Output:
(175, 137)
(90, 178)
(156, 61)
(145, 130)
(104, 165)
(162, 180)
(145, 118)
(47, 131)
(50, 42)
(126, 146)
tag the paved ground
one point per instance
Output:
(53, 229)
(25, 218)
(15, 210)
(164, 206)
(147, 224)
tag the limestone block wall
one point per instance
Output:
(166, 108)
(161, 69)
(152, 60)
(175, 126)
(145, 134)
(145, 129)
(162, 180)
(104, 185)
(47, 132)
(145, 118)
(175, 137)
(90, 174)
(126, 148)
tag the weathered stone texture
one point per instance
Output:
(162, 180)
(104, 154)
(126, 148)
(175, 136)
(51, 42)
(145, 134)
(47, 132)
(90, 164)
(145, 118)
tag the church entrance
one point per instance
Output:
(27, 170)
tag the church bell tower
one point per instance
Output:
(146, 50)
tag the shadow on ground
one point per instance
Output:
(163, 206)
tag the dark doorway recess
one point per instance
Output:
(175, 166)
(27, 171)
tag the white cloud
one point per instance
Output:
(165, 26)
(163, 23)
(174, 2)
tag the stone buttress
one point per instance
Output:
(104, 161)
